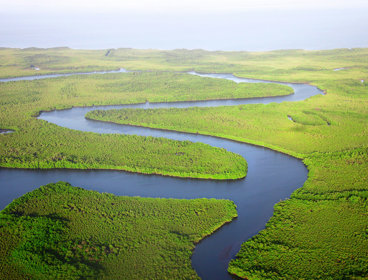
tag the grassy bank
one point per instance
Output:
(63, 232)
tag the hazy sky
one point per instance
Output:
(168, 24)
(176, 6)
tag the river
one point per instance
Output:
(272, 176)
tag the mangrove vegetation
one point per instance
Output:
(37, 144)
(319, 233)
(63, 232)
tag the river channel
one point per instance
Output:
(272, 176)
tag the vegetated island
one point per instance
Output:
(63, 232)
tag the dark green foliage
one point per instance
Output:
(321, 232)
(44, 251)
(308, 240)
(64, 232)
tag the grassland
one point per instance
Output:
(37, 144)
(63, 232)
(321, 231)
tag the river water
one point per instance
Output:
(271, 177)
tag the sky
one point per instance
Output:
(168, 24)
(190, 6)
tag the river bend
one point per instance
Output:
(272, 176)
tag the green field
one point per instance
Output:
(63, 232)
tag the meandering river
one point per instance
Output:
(271, 177)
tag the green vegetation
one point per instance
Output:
(21, 62)
(335, 122)
(290, 65)
(63, 232)
(321, 231)
(37, 144)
